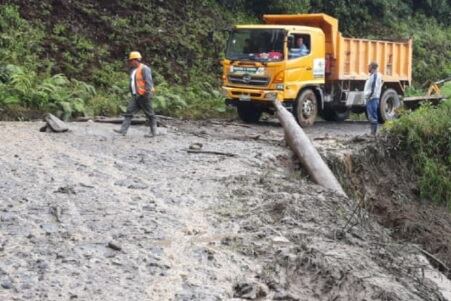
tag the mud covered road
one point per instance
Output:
(89, 215)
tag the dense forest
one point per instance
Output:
(70, 55)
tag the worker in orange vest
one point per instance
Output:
(142, 90)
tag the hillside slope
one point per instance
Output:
(183, 42)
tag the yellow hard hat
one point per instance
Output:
(135, 55)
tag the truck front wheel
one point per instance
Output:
(248, 112)
(388, 104)
(306, 108)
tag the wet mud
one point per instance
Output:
(89, 215)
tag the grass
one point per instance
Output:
(425, 134)
(446, 90)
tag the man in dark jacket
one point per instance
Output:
(142, 89)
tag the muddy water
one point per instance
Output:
(88, 215)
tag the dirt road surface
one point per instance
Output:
(90, 215)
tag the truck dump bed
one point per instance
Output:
(348, 58)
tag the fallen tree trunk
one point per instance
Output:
(306, 152)
(103, 119)
(119, 120)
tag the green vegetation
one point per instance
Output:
(59, 66)
(425, 135)
(69, 57)
(431, 48)
(26, 80)
(446, 90)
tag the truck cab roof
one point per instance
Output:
(284, 27)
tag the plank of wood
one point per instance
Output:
(229, 123)
(419, 98)
(83, 119)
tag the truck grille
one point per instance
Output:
(249, 80)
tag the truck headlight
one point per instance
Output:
(260, 71)
(271, 95)
(280, 86)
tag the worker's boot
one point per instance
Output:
(124, 127)
(119, 132)
(374, 129)
(153, 129)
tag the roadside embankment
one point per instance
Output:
(384, 180)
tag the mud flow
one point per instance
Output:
(90, 215)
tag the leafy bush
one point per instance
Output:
(26, 81)
(20, 41)
(446, 90)
(197, 101)
(101, 105)
(54, 93)
(413, 91)
(431, 47)
(425, 134)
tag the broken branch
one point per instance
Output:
(196, 151)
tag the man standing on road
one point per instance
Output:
(372, 92)
(142, 89)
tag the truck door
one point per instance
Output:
(305, 61)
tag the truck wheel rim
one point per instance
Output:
(307, 108)
(389, 107)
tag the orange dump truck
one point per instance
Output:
(304, 62)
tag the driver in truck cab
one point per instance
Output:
(300, 50)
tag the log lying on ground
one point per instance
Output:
(306, 152)
(138, 119)
(118, 120)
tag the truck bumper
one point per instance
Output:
(263, 97)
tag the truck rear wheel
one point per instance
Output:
(306, 108)
(248, 112)
(335, 114)
(388, 104)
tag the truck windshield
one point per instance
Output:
(256, 45)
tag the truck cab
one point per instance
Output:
(264, 63)
(305, 63)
